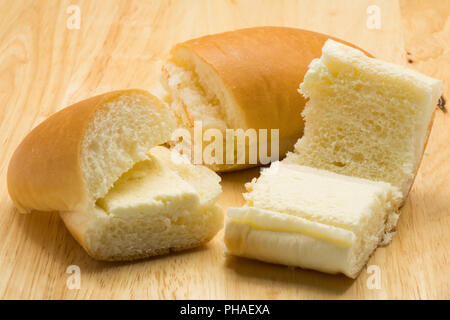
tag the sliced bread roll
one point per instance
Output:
(365, 117)
(310, 218)
(91, 162)
(243, 79)
(328, 205)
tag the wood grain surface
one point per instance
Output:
(44, 66)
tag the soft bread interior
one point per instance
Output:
(119, 135)
(332, 202)
(365, 117)
(141, 203)
(159, 205)
(192, 102)
(316, 195)
(199, 92)
(314, 219)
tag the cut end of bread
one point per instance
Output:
(146, 204)
(198, 92)
(365, 117)
(91, 161)
(114, 238)
(158, 206)
(315, 219)
(328, 205)
(120, 135)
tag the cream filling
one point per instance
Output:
(267, 220)
(334, 212)
(150, 187)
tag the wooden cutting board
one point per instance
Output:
(47, 63)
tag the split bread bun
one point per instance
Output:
(328, 205)
(365, 117)
(243, 79)
(121, 196)
(310, 218)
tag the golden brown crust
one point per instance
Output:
(262, 68)
(44, 172)
(78, 224)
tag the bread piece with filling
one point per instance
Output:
(91, 162)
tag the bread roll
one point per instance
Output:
(91, 162)
(315, 219)
(328, 205)
(365, 118)
(243, 79)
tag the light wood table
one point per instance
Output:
(44, 65)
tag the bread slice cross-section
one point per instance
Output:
(332, 201)
(365, 117)
(121, 195)
(310, 218)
